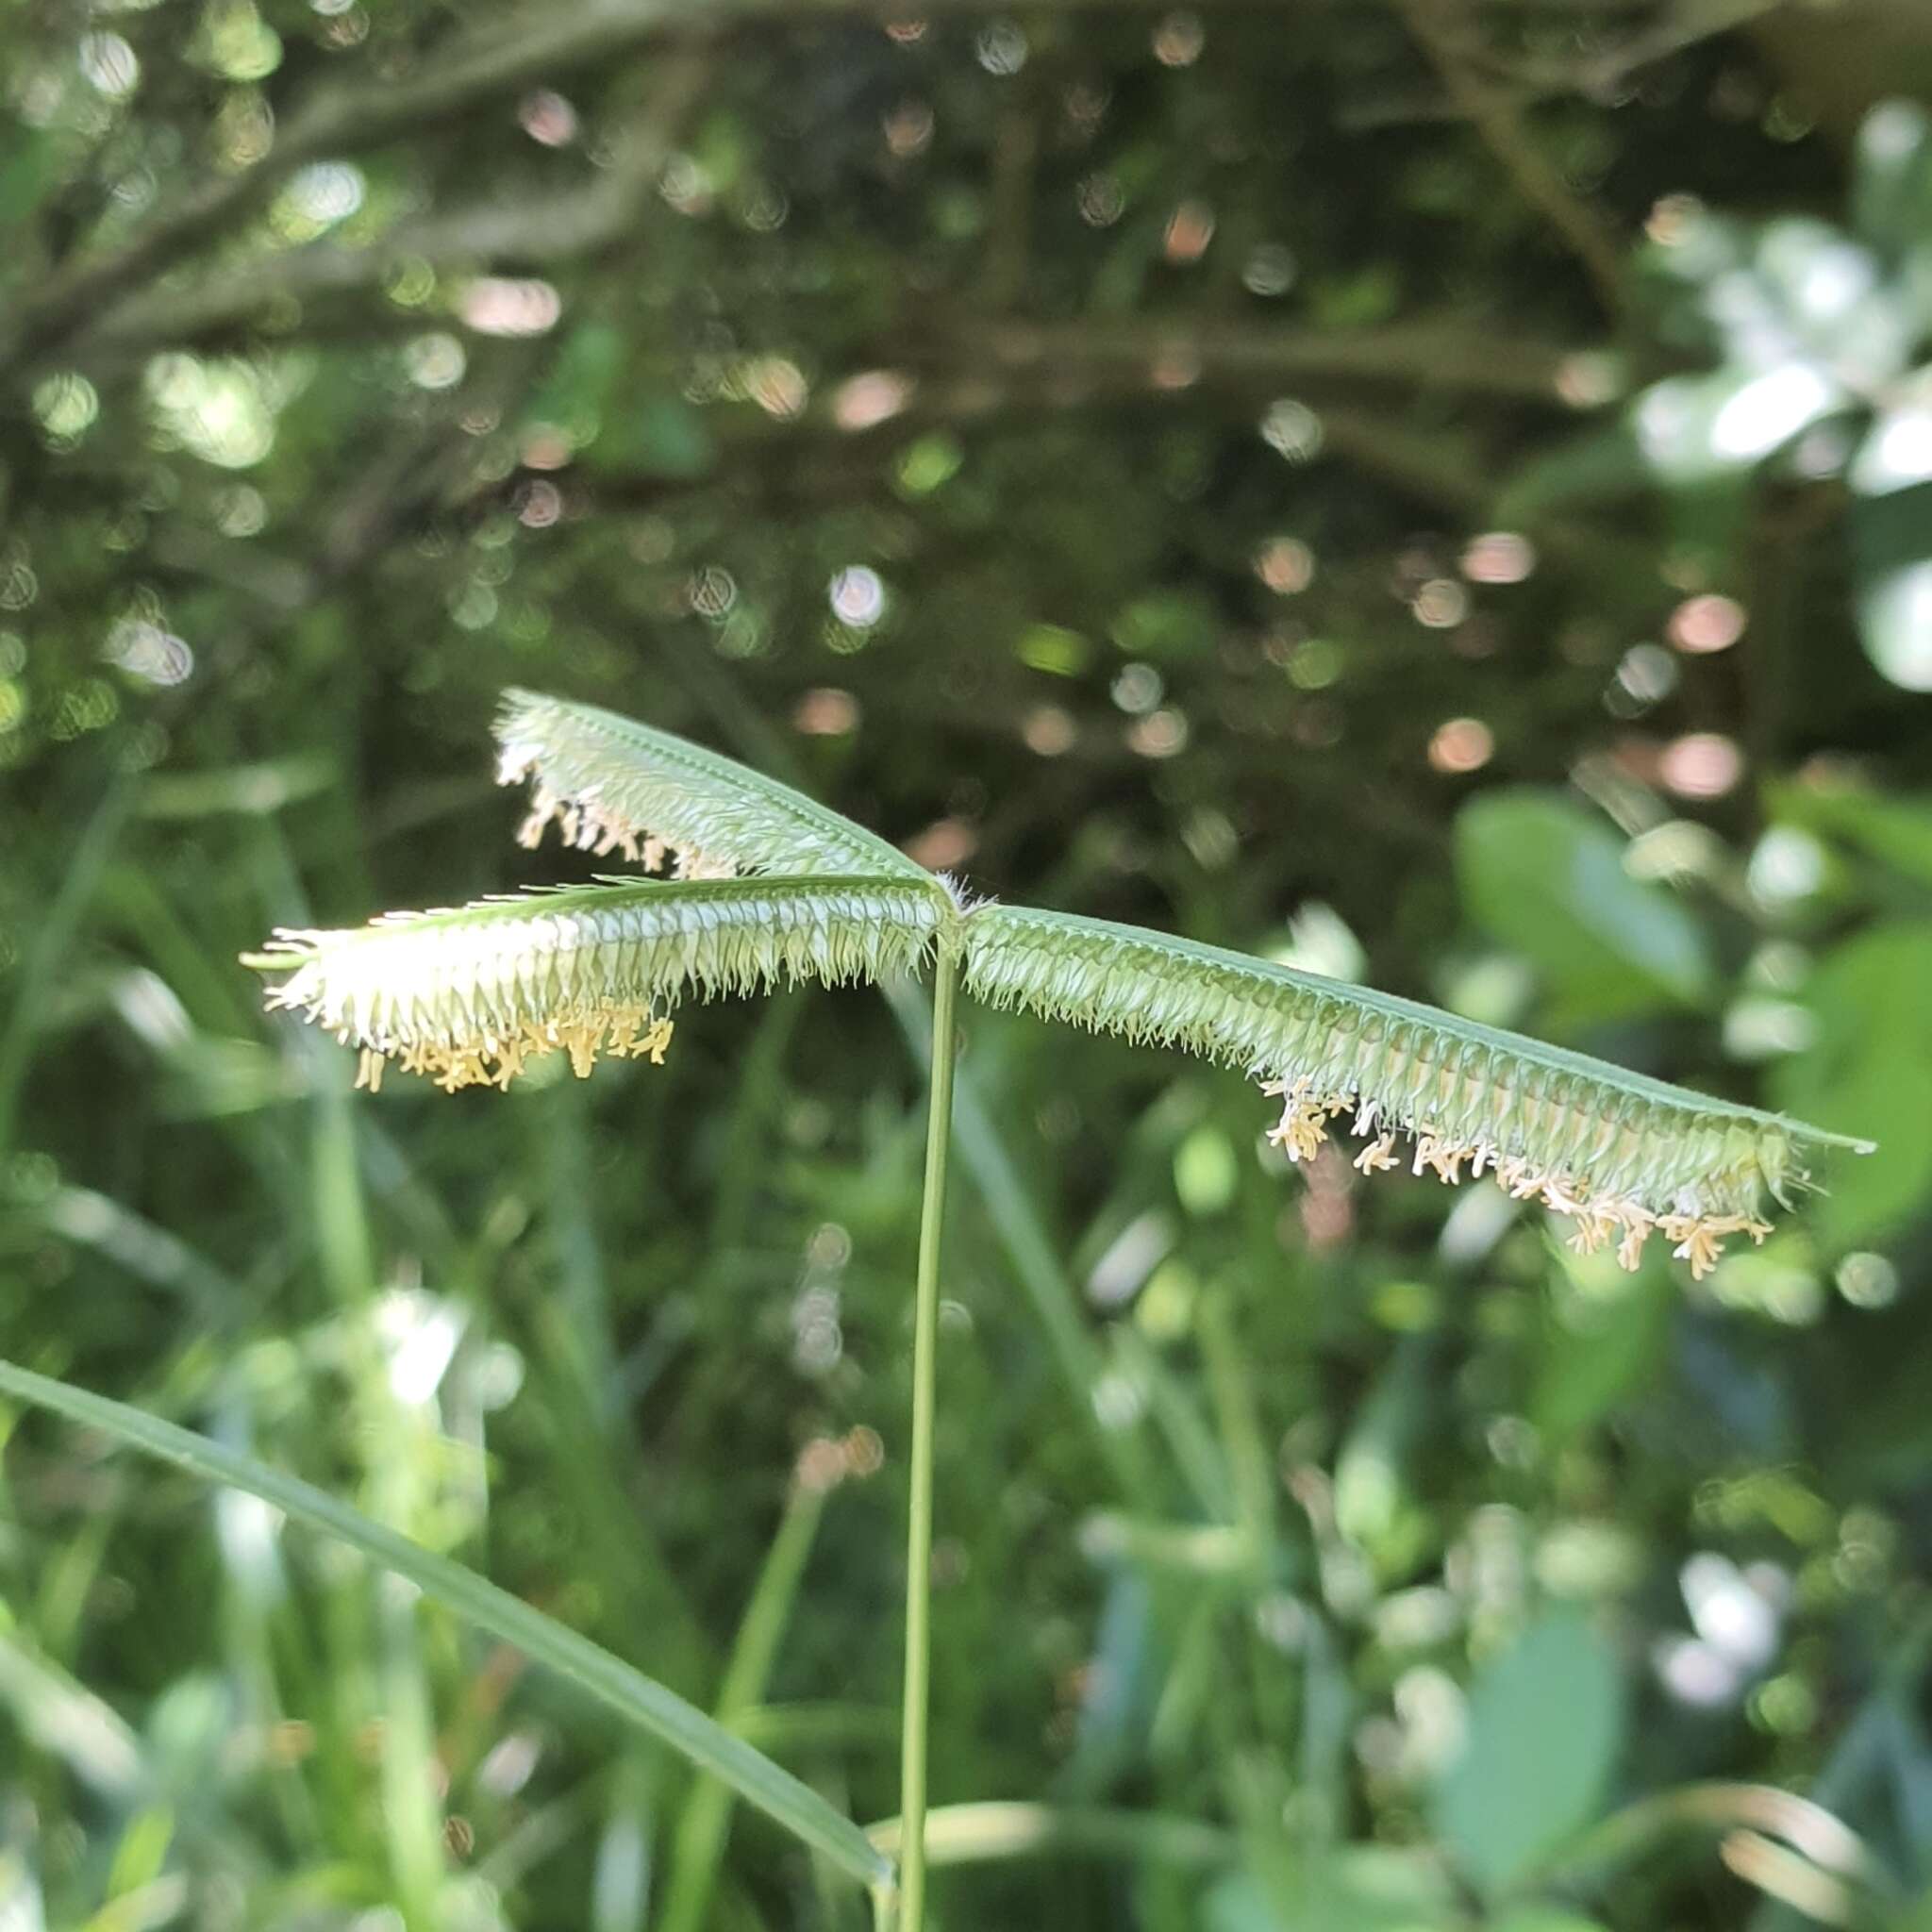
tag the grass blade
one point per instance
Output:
(633, 1696)
(37, 973)
(698, 1847)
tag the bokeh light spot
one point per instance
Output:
(1161, 734)
(1440, 604)
(1001, 47)
(1048, 732)
(66, 404)
(1498, 557)
(711, 591)
(1646, 675)
(1270, 269)
(909, 128)
(1178, 40)
(826, 712)
(1701, 764)
(436, 360)
(777, 386)
(110, 65)
(1102, 200)
(511, 306)
(147, 650)
(1292, 429)
(1461, 745)
(547, 117)
(858, 596)
(1190, 229)
(869, 398)
(1286, 565)
(1706, 624)
(1137, 689)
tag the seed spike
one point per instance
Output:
(1614, 1152)
(769, 889)
(472, 996)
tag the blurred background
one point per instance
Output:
(1441, 492)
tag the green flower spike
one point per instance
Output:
(768, 887)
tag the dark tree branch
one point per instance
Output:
(548, 228)
(1426, 355)
(1442, 30)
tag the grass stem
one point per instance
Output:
(919, 1518)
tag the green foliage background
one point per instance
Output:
(1058, 438)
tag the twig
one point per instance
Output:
(1439, 355)
(544, 228)
(1597, 74)
(1494, 112)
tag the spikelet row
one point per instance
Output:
(612, 785)
(1619, 1154)
(471, 996)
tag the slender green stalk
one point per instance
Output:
(926, 1336)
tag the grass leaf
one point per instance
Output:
(633, 1696)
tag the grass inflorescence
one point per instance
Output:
(611, 785)
(471, 996)
(1621, 1155)
(770, 887)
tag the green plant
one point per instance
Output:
(1815, 345)
(768, 887)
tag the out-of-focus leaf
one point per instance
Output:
(1546, 1724)
(64, 1718)
(1827, 299)
(1540, 874)
(1376, 1502)
(251, 789)
(993, 1831)
(1674, 275)
(1692, 429)
(1599, 467)
(577, 392)
(1612, 1345)
(1891, 557)
(1896, 454)
(1891, 191)
(1365, 1888)
(1544, 1919)
(1169, 624)
(1206, 1173)
(1871, 1060)
(659, 435)
(1895, 831)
